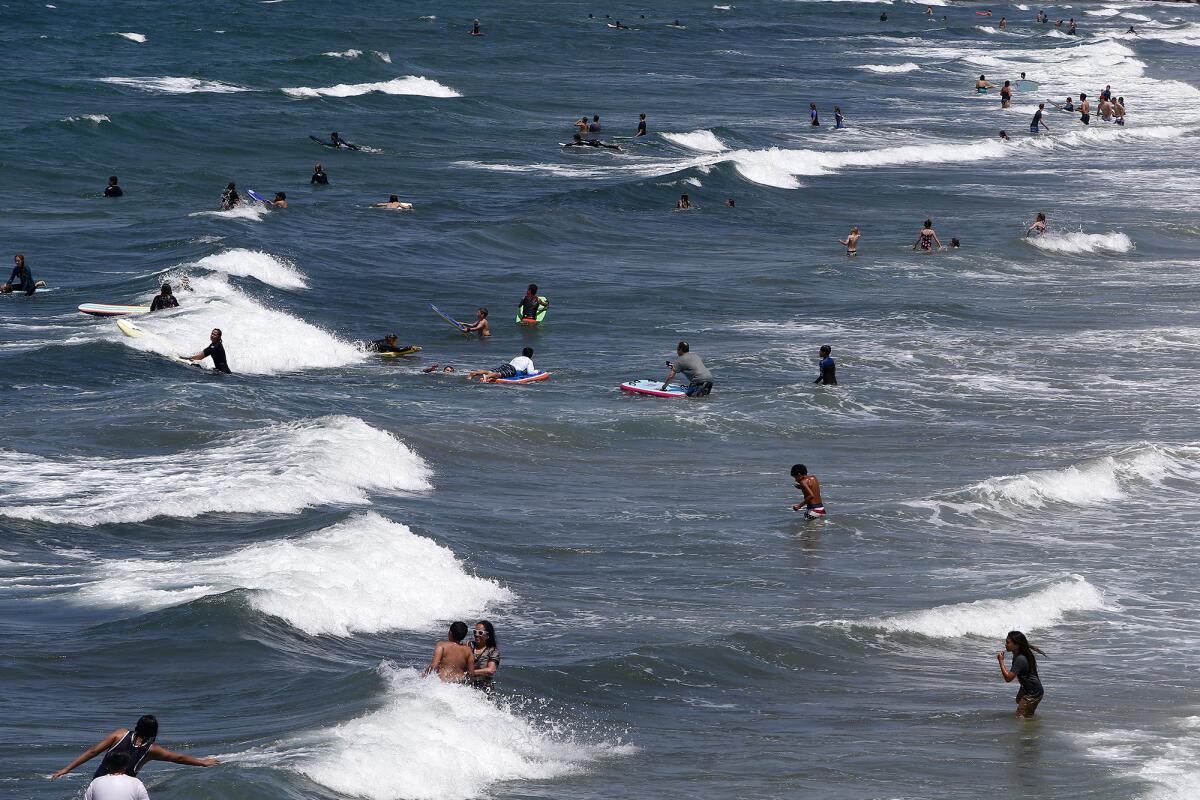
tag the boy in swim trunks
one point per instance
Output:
(811, 487)
(1085, 109)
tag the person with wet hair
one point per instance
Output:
(1024, 669)
(485, 655)
(164, 299)
(230, 197)
(137, 746)
(451, 658)
(927, 238)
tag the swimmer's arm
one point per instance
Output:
(939, 242)
(670, 375)
(1008, 676)
(162, 754)
(92, 752)
(845, 241)
(435, 662)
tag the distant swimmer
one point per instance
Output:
(641, 129)
(319, 176)
(1071, 27)
(1035, 127)
(138, 746)
(1107, 92)
(812, 115)
(839, 119)
(1039, 225)
(1068, 106)
(434, 368)
(700, 380)
(582, 124)
(929, 11)
(954, 243)
(116, 784)
(883, 17)
(216, 349)
(1085, 109)
(828, 369)
(730, 202)
(684, 203)
(280, 200)
(1024, 670)
(813, 506)
(1006, 94)
(451, 658)
(927, 238)
(230, 197)
(1118, 111)
(480, 325)
(1004, 136)
(594, 125)
(164, 299)
(388, 344)
(851, 241)
(982, 85)
(579, 141)
(21, 279)
(520, 365)
(1003, 23)
(475, 29)
(532, 304)
(113, 190)
(393, 201)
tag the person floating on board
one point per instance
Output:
(828, 374)
(1035, 127)
(641, 129)
(21, 279)
(579, 141)
(684, 203)
(475, 29)
(319, 176)
(216, 349)
(393, 201)
(451, 658)
(928, 237)
(116, 784)
(531, 305)
(700, 380)
(839, 119)
(1024, 669)
(813, 506)
(230, 197)
(280, 200)
(113, 190)
(1006, 94)
(851, 241)
(388, 345)
(138, 746)
(338, 141)
(982, 85)
(164, 299)
(520, 366)
(480, 325)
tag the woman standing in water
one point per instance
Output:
(485, 655)
(1024, 669)
(927, 237)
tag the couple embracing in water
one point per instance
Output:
(476, 663)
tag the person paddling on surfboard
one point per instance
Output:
(521, 365)
(813, 506)
(394, 202)
(164, 299)
(217, 350)
(532, 306)
(700, 380)
(480, 325)
(138, 744)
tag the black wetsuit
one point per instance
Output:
(828, 376)
(217, 351)
(641, 131)
(22, 280)
(137, 756)
(161, 302)
(113, 191)
(320, 177)
(230, 199)
(530, 307)
(382, 346)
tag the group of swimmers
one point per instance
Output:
(1111, 109)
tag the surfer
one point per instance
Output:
(388, 345)
(700, 381)
(338, 141)
(1024, 669)
(115, 784)
(164, 299)
(393, 201)
(1131, 30)
(280, 200)
(828, 374)
(113, 190)
(521, 365)
(319, 176)
(1039, 225)
(621, 26)
(21, 279)
(684, 203)
(812, 115)
(1035, 125)
(641, 129)
(138, 746)
(839, 119)
(851, 241)
(230, 197)
(883, 17)
(927, 237)
(480, 325)
(813, 507)
(579, 141)
(451, 658)
(485, 655)
(216, 349)
(475, 30)
(982, 85)
(1085, 109)
(531, 305)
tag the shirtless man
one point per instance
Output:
(480, 325)
(811, 487)
(1085, 109)
(451, 658)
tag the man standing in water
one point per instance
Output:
(811, 487)
(1085, 109)
(451, 658)
(828, 376)
(216, 350)
(1035, 127)
(641, 129)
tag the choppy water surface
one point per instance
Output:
(264, 560)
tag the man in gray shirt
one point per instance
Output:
(699, 378)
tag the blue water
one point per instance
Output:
(265, 560)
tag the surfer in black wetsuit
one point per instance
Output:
(230, 197)
(21, 279)
(531, 304)
(164, 300)
(828, 376)
(641, 131)
(139, 745)
(388, 345)
(112, 190)
(579, 141)
(475, 31)
(217, 350)
(319, 176)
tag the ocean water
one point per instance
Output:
(265, 560)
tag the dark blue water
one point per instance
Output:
(265, 560)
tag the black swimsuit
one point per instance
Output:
(137, 755)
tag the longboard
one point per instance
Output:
(332, 146)
(167, 351)
(106, 310)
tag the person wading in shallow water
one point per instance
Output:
(138, 744)
(1024, 669)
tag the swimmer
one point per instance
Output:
(684, 203)
(1006, 94)
(164, 299)
(1105, 109)
(927, 238)
(531, 304)
(594, 125)
(520, 366)
(954, 245)
(641, 129)
(480, 325)
(393, 201)
(1071, 27)
(138, 746)
(21, 279)
(582, 124)
(883, 17)
(1106, 94)
(434, 368)
(730, 203)
(1024, 670)
(1131, 30)
(839, 119)
(115, 784)
(112, 190)
(451, 658)
(851, 241)
(1067, 106)
(280, 200)
(319, 176)
(828, 374)
(216, 349)
(1003, 23)
(1035, 126)
(1004, 136)
(812, 115)
(1039, 225)
(982, 85)
(813, 507)
(1118, 110)
(929, 11)
(230, 198)
(1085, 109)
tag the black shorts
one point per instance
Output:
(699, 389)
(507, 371)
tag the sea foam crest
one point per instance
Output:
(1079, 242)
(365, 575)
(907, 66)
(703, 141)
(169, 85)
(411, 85)
(280, 469)
(255, 264)
(140, 38)
(351, 53)
(440, 741)
(1043, 608)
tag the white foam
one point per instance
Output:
(344, 54)
(246, 210)
(280, 469)
(1135, 17)
(908, 66)
(255, 264)
(1107, 11)
(133, 37)
(995, 618)
(98, 119)
(382, 56)
(703, 141)
(168, 85)
(365, 575)
(410, 85)
(439, 741)
(1079, 242)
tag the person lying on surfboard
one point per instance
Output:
(388, 344)
(480, 325)
(394, 202)
(521, 365)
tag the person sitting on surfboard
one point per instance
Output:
(217, 350)
(21, 279)
(521, 365)
(164, 299)
(230, 197)
(475, 31)
(480, 325)
(811, 487)
(700, 380)
(532, 305)
(579, 141)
